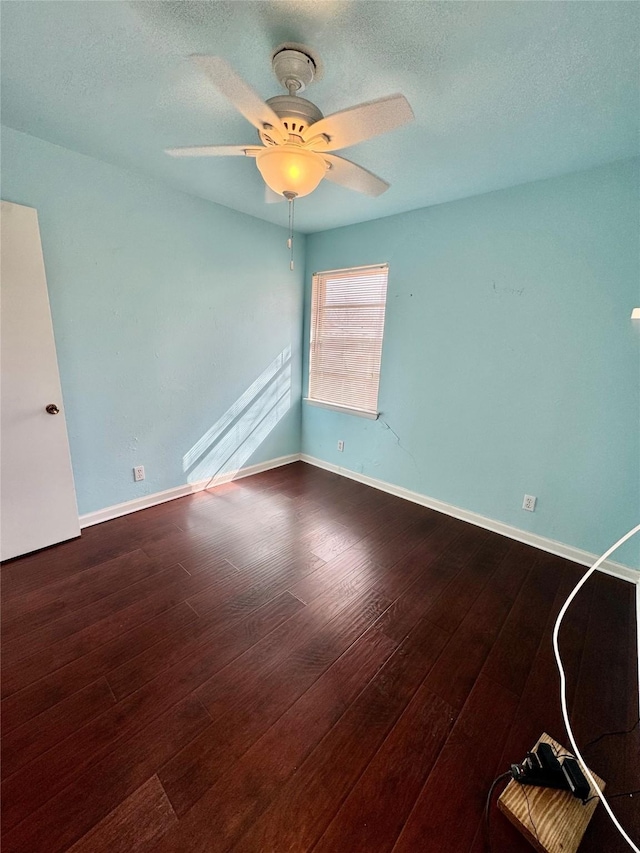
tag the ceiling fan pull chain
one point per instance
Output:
(291, 197)
(292, 203)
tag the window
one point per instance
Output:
(347, 324)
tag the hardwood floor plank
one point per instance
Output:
(631, 748)
(240, 720)
(136, 672)
(212, 821)
(407, 552)
(348, 573)
(75, 810)
(435, 572)
(332, 544)
(27, 742)
(97, 545)
(133, 826)
(41, 779)
(441, 819)
(395, 534)
(231, 500)
(196, 549)
(168, 598)
(295, 815)
(36, 698)
(450, 609)
(22, 615)
(539, 708)
(305, 663)
(456, 670)
(513, 570)
(337, 573)
(601, 705)
(249, 553)
(377, 806)
(605, 663)
(440, 545)
(95, 618)
(366, 520)
(324, 617)
(369, 565)
(511, 656)
(267, 579)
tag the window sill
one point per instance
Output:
(372, 416)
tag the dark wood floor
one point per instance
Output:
(298, 662)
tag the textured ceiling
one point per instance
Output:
(503, 92)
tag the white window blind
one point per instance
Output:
(347, 324)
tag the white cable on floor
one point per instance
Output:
(563, 684)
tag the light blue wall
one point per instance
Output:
(510, 364)
(166, 308)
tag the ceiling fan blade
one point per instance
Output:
(214, 151)
(361, 122)
(271, 197)
(242, 96)
(354, 177)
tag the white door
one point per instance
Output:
(37, 495)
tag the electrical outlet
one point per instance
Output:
(138, 473)
(341, 445)
(529, 503)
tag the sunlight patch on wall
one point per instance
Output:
(223, 450)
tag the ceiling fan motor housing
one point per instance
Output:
(297, 114)
(295, 66)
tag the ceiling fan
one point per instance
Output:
(297, 140)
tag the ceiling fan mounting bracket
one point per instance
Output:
(295, 66)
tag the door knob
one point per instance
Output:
(52, 409)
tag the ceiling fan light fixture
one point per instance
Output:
(290, 169)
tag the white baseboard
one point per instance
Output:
(569, 552)
(125, 508)
(577, 555)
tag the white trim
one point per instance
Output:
(125, 508)
(577, 555)
(346, 410)
(384, 266)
